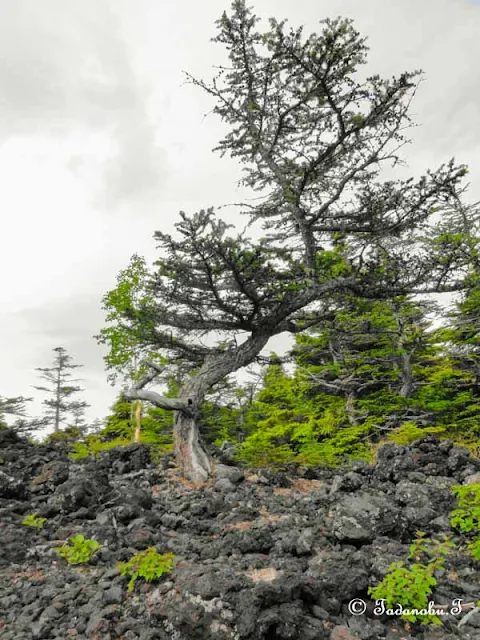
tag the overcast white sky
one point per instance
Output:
(101, 144)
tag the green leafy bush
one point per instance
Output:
(32, 520)
(411, 587)
(148, 564)
(467, 517)
(80, 551)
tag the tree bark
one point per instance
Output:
(191, 456)
(407, 375)
(350, 408)
(138, 421)
(56, 427)
(193, 461)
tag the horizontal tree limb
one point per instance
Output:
(171, 404)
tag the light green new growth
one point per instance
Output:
(80, 552)
(93, 446)
(411, 587)
(32, 520)
(148, 564)
(467, 517)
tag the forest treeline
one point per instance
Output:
(375, 371)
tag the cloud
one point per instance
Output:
(65, 67)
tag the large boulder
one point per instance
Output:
(362, 516)
(11, 487)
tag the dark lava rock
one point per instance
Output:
(259, 554)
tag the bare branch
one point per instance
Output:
(157, 399)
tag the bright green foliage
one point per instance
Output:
(460, 364)
(156, 430)
(358, 356)
(347, 444)
(227, 413)
(474, 548)
(80, 551)
(411, 586)
(444, 389)
(332, 264)
(32, 520)
(365, 373)
(124, 338)
(350, 377)
(292, 427)
(257, 453)
(156, 424)
(467, 517)
(408, 432)
(465, 323)
(148, 564)
(119, 423)
(273, 414)
(282, 423)
(93, 445)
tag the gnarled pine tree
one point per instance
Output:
(313, 139)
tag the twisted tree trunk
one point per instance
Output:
(192, 459)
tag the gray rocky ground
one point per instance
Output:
(260, 555)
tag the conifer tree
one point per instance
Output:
(12, 406)
(312, 138)
(453, 385)
(350, 356)
(60, 389)
(464, 333)
(77, 411)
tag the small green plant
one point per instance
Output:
(410, 587)
(148, 564)
(474, 548)
(32, 520)
(80, 551)
(94, 445)
(467, 517)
